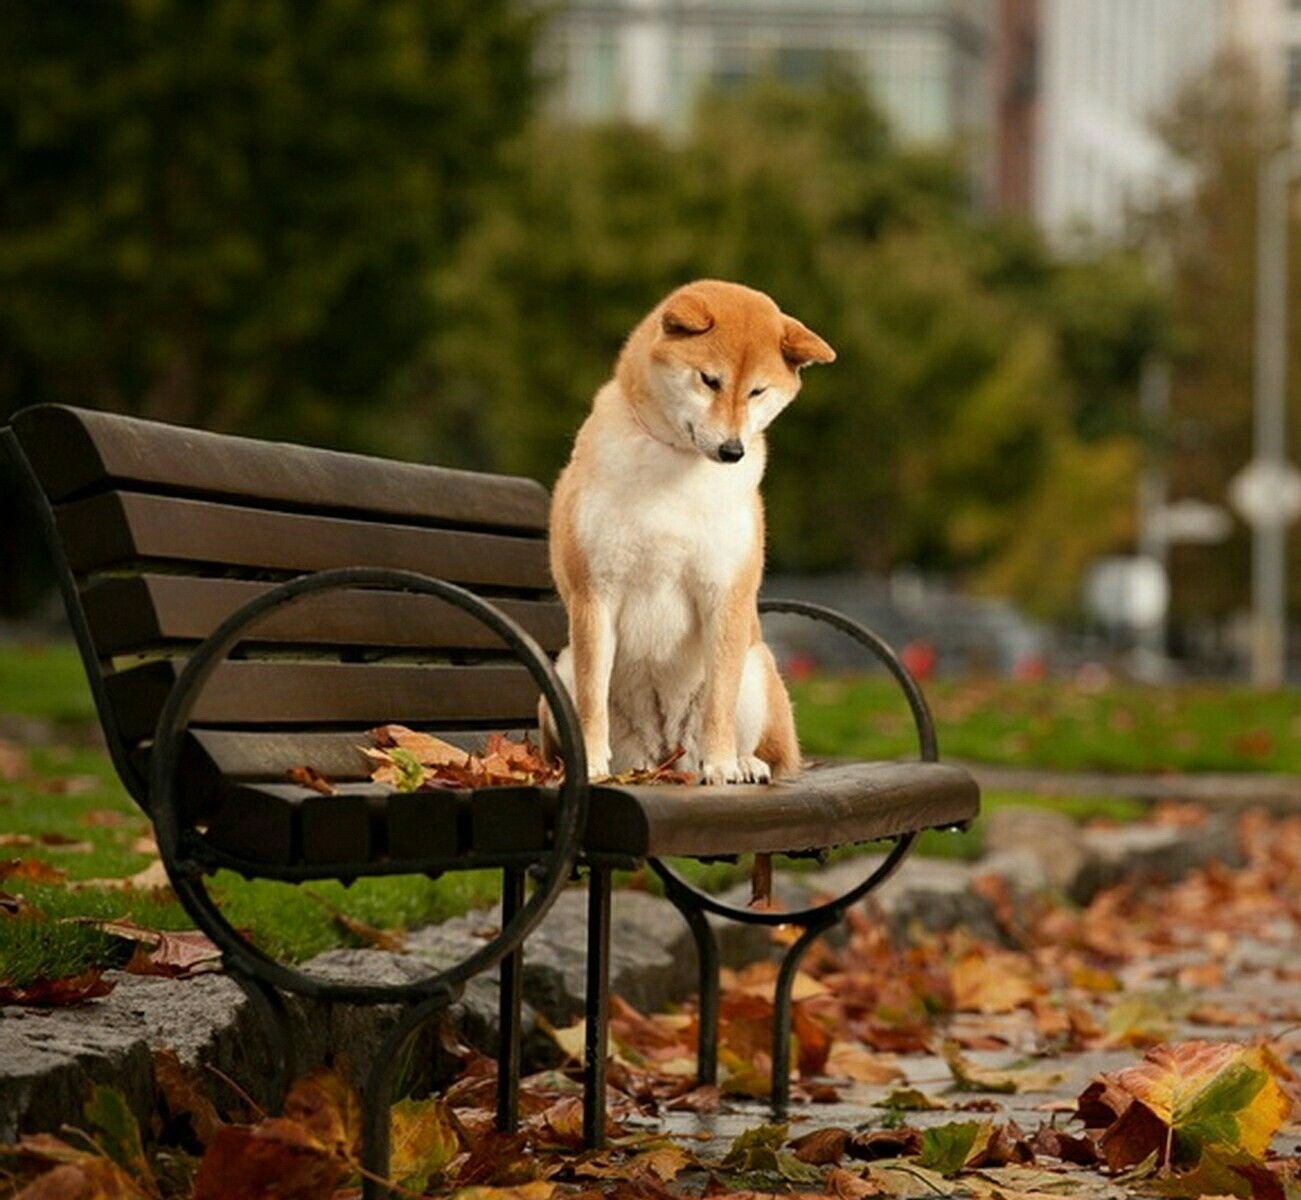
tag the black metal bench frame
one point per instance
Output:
(188, 857)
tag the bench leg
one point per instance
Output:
(378, 1097)
(707, 972)
(272, 1015)
(782, 1017)
(598, 1007)
(508, 1022)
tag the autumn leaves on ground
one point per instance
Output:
(943, 1066)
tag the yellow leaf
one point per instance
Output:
(325, 1104)
(1210, 1094)
(997, 983)
(423, 1141)
(849, 1061)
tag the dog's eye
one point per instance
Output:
(712, 382)
(758, 391)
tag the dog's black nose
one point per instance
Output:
(731, 451)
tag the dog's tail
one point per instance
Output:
(779, 745)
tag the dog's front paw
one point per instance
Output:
(598, 764)
(721, 770)
(755, 770)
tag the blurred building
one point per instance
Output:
(1108, 68)
(1015, 78)
(1270, 31)
(926, 61)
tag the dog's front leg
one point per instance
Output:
(728, 630)
(591, 642)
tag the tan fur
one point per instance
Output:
(654, 503)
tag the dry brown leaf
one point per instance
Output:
(276, 1157)
(184, 1093)
(30, 870)
(310, 777)
(89, 984)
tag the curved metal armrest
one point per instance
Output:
(174, 721)
(928, 745)
(820, 916)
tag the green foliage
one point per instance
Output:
(225, 213)
(976, 380)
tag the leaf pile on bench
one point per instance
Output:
(411, 761)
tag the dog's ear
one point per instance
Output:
(686, 314)
(800, 345)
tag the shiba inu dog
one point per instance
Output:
(657, 542)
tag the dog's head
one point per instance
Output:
(721, 362)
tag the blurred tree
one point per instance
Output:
(1220, 128)
(972, 368)
(224, 213)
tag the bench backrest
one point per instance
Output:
(165, 531)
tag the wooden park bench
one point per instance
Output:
(244, 607)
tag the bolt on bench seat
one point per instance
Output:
(245, 607)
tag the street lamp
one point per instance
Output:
(1267, 492)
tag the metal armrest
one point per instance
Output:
(881, 649)
(185, 875)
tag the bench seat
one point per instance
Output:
(285, 824)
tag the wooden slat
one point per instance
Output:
(826, 806)
(120, 527)
(252, 693)
(284, 825)
(238, 754)
(130, 613)
(73, 450)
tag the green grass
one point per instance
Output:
(1124, 727)
(44, 680)
(71, 791)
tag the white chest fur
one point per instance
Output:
(652, 518)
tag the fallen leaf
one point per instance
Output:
(911, 1100)
(92, 1179)
(365, 933)
(998, 982)
(423, 1142)
(537, 1189)
(184, 1094)
(849, 1061)
(949, 1148)
(759, 1150)
(1186, 1097)
(176, 955)
(845, 1185)
(58, 993)
(310, 777)
(968, 1077)
(1220, 1173)
(30, 870)
(1056, 1143)
(118, 1135)
(886, 1143)
(276, 1157)
(821, 1147)
(325, 1104)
